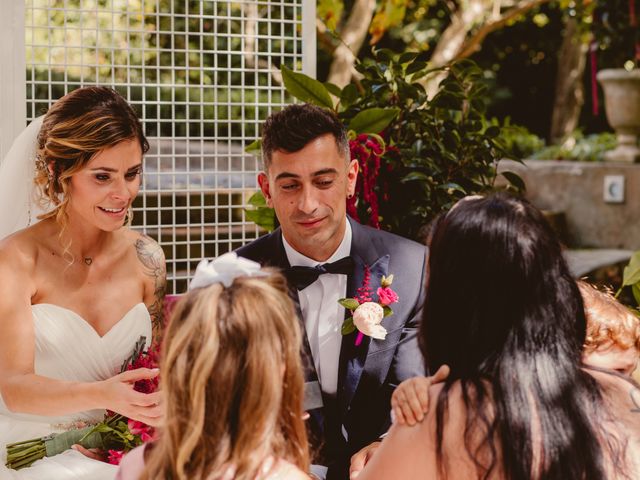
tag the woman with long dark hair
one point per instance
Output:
(504, 313)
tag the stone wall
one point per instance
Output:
(576, 188)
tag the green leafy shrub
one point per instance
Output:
(417, 156)
(517, 141)
(580, 148)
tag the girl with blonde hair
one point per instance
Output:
(232, 382)
(79, 288)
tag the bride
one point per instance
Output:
(78, 288)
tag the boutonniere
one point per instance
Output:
(366, 315)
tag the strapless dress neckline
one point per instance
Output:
(130, 314)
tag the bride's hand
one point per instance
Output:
(93, 453)
(120, 396)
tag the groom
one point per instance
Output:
(307, 178)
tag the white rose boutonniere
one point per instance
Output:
(367, 318)
(367, 315)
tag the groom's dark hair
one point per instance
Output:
(292, 128)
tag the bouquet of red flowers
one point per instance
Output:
(115, 434)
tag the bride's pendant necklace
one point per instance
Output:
(88, 260)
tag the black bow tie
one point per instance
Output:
(302, 277)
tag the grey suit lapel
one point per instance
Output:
(366, 253)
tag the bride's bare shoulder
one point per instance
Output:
(21, 249)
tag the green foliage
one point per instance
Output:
(306, 88)
(373, 120)
(348, 326)
(517, 141)
(329, 12)
(439, 150)
(434, 152)
(260, 213)
(631, 277)
(578, 147)
(349, 303)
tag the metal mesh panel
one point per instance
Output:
(203, 75)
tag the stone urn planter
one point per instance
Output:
(622, 104)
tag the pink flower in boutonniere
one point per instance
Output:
(386, 296)
(367, 315)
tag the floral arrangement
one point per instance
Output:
(367, 315)
(116, 434)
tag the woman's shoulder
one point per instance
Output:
(146, 248)
(410, 452)
(19, 251)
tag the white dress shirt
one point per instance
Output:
(323, 315)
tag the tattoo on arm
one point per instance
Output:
(151, 256)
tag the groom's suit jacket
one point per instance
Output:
(369, 372)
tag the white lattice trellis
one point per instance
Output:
(203, 75)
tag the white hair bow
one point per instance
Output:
(225, 269)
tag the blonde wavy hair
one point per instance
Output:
(608, 321)
(76, 128)
(232, 379)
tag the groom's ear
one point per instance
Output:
(352, 177)
(263, 181)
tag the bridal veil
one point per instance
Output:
(19, 206)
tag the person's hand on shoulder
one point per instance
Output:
(410, 400)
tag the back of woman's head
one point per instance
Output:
(232, 380)
(497, 274)
(77, 127)
(503, 311)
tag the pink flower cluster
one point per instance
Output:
(144, 431)
(386, 296)
(115, 457)
(148, 359)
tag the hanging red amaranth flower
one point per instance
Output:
(363, 294)
(367, 150)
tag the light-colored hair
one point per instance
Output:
(231, 374)
(77, 127)
(609, 322)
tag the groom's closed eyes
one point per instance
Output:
(322, 179)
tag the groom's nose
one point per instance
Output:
(307, 202)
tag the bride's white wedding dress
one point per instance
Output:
(68, 348)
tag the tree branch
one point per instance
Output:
(473, 44)
(353, 35)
